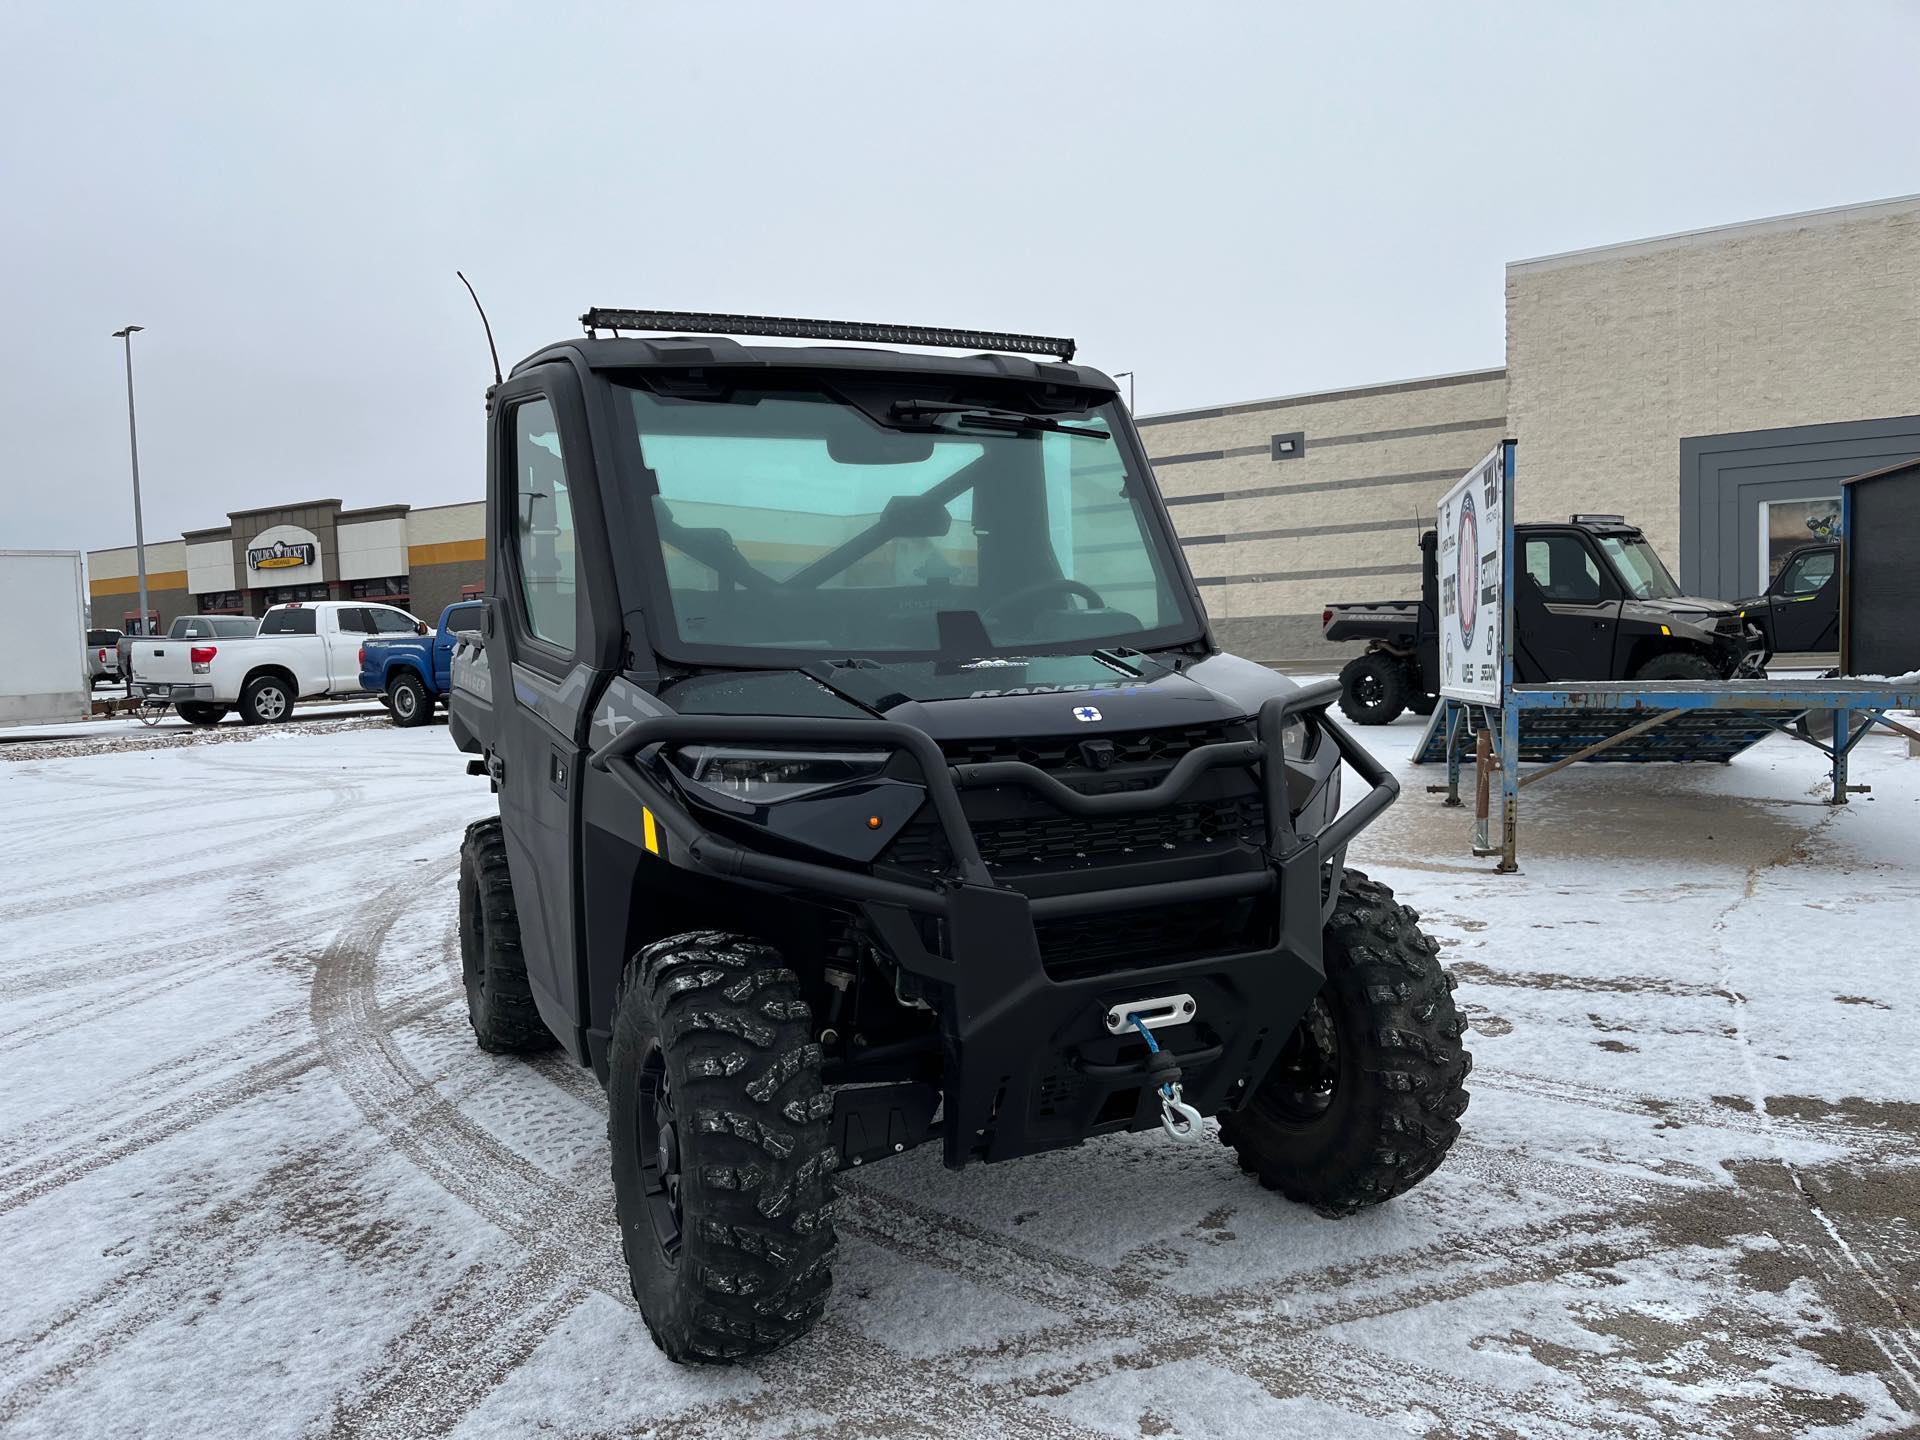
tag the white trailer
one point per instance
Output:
(43, 646)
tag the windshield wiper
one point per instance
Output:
(991, 418)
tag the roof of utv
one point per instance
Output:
(702, 350)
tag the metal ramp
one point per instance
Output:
(1547, 735)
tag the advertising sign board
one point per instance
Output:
(1470, 560)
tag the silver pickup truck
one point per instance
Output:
(103, 656)
(185, 627)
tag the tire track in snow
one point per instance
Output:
(450, 1357)
(291, 858)
(22, 1184)
(1896, 1336)
(1861, 1144)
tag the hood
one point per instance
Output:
(1689, 607)
(1044, 695)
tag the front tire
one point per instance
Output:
(266, 700)
(407, 698)
(1373, 689)
(1366, 1098)
(195, 712)
(1678, 665)
(499, 1001)
(722, 1161)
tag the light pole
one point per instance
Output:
(133, 445)
(1127, 375)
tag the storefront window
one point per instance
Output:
(1786, 525)
(387, 587)
(287, 594)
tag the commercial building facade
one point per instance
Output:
(1715, 387)
(421, 559)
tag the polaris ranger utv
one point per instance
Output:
(869, 777)
(1592, 601)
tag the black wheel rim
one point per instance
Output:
(1369, 690)
(659, 1145)
(403, 702)
(1306, 1077)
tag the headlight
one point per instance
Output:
(766, 777)
(1295, 739)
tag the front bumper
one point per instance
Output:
(1030, 1062)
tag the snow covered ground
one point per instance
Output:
(255, 1180)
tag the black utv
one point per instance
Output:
(869, 777)
(1592, 601)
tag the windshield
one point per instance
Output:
(793, 520)
(1638, 566)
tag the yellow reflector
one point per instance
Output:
(1665, 631)
(653, 831)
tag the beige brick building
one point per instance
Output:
(1286, 505)
(420, 559)
(1690, 379)
(1715, 387)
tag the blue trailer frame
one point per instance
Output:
(1621, 720)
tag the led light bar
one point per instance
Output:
(687, 322)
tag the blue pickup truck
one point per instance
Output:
(411, 670)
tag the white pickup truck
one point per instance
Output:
(302, 651)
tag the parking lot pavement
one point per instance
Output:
(256, 1180)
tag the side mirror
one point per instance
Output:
(419, 627)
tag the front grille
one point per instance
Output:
(1091, 944)
(1050, 839)
(1022, 834)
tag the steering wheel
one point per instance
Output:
(1026, 595)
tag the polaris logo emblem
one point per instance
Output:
(1086, 714)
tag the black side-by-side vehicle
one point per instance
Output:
(869, 777)
(1592, 601)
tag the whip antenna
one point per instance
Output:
(491, 349)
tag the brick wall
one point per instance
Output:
(1615, 355)
(1272, 541)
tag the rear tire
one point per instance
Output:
(1373, 689)
(407, 698)
(266, 700)
(1366, 1098)
(722, 1162)
(499, 1000)
(1678, 665)
(195, 712)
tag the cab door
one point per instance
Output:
(1566, 614)
(538, 632)
(1806, 601)
(350, 630)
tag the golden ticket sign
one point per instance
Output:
(279, 556)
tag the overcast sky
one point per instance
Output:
(1234, 200)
